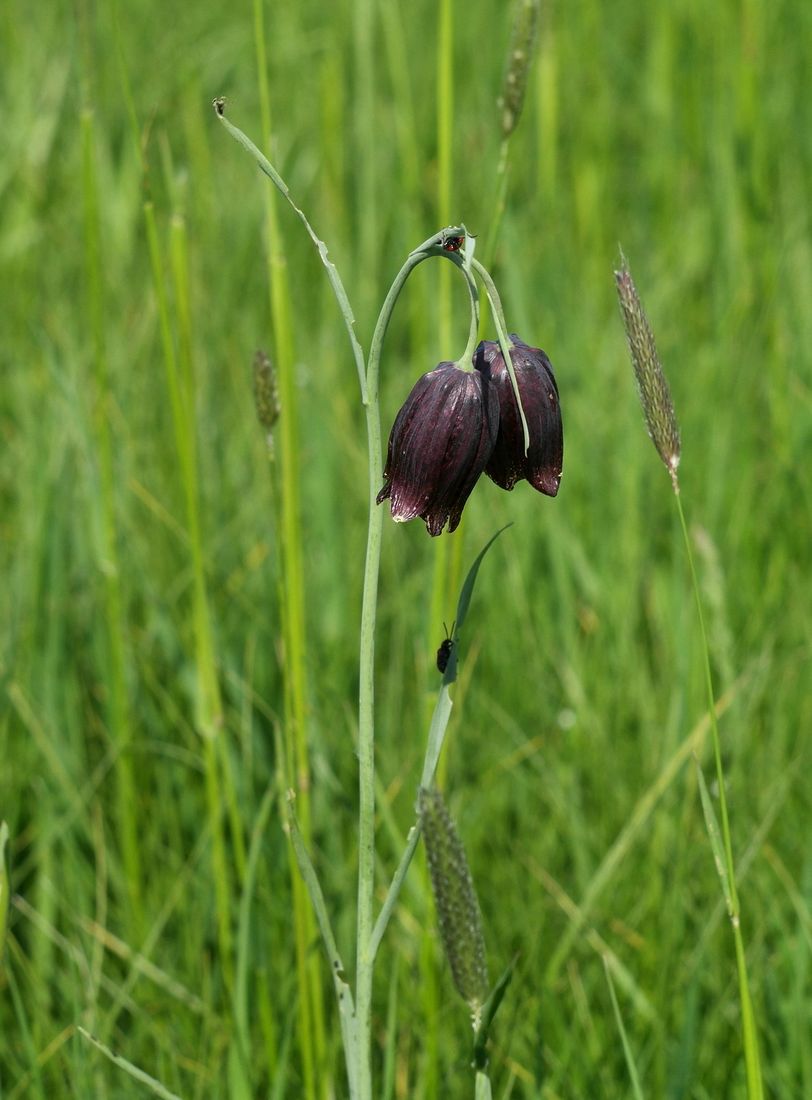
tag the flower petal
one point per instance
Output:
(542, 465)
(440, 443)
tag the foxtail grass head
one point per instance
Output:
(266, 395)
(652, 386)
(520, 57)
(456, 901)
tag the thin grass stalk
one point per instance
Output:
(663, 428)
(752, 1060)
(445, 151)
(207, 707)
(240, 1052)
(624, 1039)
(547, 113)
(391, 1052)
(367, 142)
(210, 713)
(5, 891)
(115, 624)
(312, 1039)
(445, 175)
(511, 104)
(447, 552)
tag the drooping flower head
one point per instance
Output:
(440, 443)
(508, 463)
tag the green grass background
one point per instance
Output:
(681, 130)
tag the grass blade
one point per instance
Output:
(342, 990)
(5, 888)
(131, 1070)
(715, 836)
(332, 271)
(627, 1050)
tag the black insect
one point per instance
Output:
(453, 244)
(444, 652)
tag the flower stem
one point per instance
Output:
(366, 687)
(366, 947)
(749, 1032)
(504, 342)
(473, 332)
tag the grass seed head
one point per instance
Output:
(652, 386)
(456, 901)
(520, 57)
(266, 396)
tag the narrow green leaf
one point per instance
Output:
(627, 1050)
(436, 737)
(343, 992)
(5, 888)
(133, 1071)
(393, 891)
(332, 271)
(467, 590)
(483, 1086)
(391, 1041)
(489, 1010)
(715, 836)
(439, 723)
(239, 1055)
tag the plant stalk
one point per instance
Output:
(752, 1060)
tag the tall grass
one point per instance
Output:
(685, 134)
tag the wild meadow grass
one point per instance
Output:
(180, 614)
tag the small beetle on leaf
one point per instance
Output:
(444, 652)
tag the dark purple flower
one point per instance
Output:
(439, 445)
(534, 374)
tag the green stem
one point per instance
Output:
(445, 148)
(366, 691)
(115, 619)
(504, 342)
(750, 1034)
(473, 332)
(207, 702)
(366, 946)
(499, 201)
(265, 166)
(311, 1026)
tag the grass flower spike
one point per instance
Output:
(655, 396)
(661, 421)
(456, 901)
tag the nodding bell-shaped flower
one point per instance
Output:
(508, 463)
(440, 443)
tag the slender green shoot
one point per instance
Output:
(139, 1075)
(627, 1050)
(755, 1089)
(5, 888)
(521, 52)
(661, 421)
(207, 699)
(108, 551)
(311, 1030)
(332, 271)
(504, 340)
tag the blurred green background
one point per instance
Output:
(135, 532)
